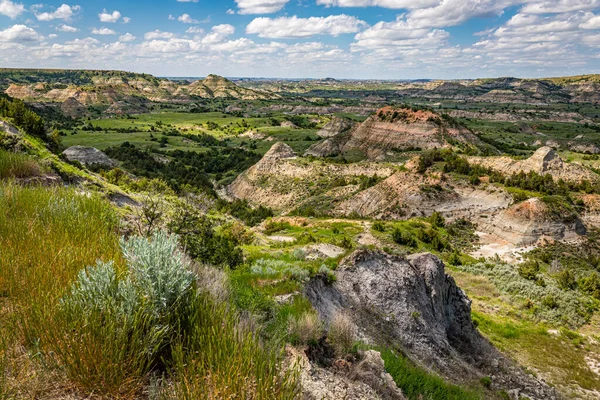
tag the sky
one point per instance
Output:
(352, 39)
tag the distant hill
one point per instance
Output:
(130, 92)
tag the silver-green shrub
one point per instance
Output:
(148, 301)
(570, 307)
(278, 268)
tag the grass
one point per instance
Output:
(417, 384)
(47, 236)
(17, 165)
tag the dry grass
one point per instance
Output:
(15, 165)
(341, 334)
(305, 329)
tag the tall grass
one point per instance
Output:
(46, 236)
(223, 359)
(105, 329)
(417, 384)
(17, 165)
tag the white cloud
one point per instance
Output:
(64, 12)
(103, 31)
(128, 37)
(393, 4)
(219, 33)
(10, 9)
(293, 27)
(230, 12)
(158, 34)
(187, 19)
(113, 17)
(19, 34)
(52, 36)
(126, 20)
(592, 23)
(194, 30)
(559, 6)
(260, 6)
(66, 28)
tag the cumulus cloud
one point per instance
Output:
(219, 33)
(113, 17)
(194, 30)
(260, 6)
(19, 34)
(187, 19)
(294, 27)
(128, 37)
(66, 28)
(560, 6)
(64, 12)
(103, 31)
(10, 9)
(158, 34)
(392, 4)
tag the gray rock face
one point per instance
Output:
(414, 304)
(336, 126)
(88, 156)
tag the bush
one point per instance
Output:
(566, 280)
(305, 329)
(341, 334)
(278, 269)
(437, 220)
(123, 324)
(591, 284)
(403, 238)
(529, 270)
(378, 226)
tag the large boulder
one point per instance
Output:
(88, 156)
(411, 303)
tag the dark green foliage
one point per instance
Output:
(403, 238)
(437, 220)
(417, 384)
(185, 167)
(529, 270)
(486, 382)
(22, 117)
(201, 240)
(378, 226)
(566, 280)
(591, 284)
(251, 216)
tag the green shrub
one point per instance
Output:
(529, 270)
(591, 284)
(378, 226)
(566, 280)
(403, 238)
(486, 382)
(123, 324)
(437, 220)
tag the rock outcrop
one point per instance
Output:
(88, 156)
(527, 222)
(73, 108)
(336, 126)
(413, 304)
(406, 194)
(282, 181)
(543, 161)
(397, 129)
(365, 380)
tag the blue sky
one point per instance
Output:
(366, 39)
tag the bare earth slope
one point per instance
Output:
(392, 129)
